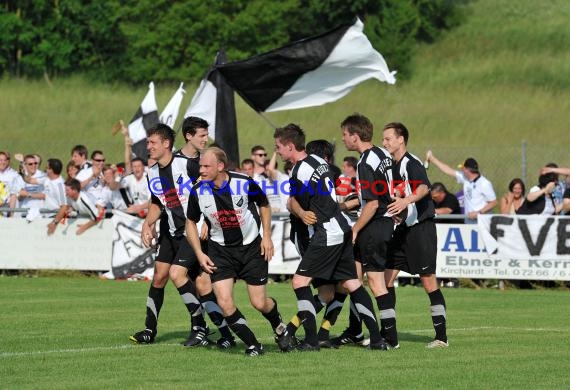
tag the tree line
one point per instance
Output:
(165, 40)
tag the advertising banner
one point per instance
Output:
(519, 247)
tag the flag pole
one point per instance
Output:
(266, 120)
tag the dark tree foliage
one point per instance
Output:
(165, 40)
(51, 38)
(436, 16)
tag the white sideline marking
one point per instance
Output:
(129, 346)
(80, 350)
(492, 327)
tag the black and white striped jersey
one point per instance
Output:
(409, 173)
(85, 205)
(193, 164)
(312, 186)
(374, 175)
(231, 209)
(170, 187)
(300, 234)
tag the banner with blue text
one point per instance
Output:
(506, 247)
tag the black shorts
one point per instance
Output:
(242, 262)
(414, 249)
(372, 244)
(177, 251)
(316, 282)
(329, 263)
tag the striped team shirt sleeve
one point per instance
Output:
(193, 211)
(256, 194)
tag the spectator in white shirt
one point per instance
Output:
(91, 178)
(79, 157)
(479, 194)
(259, 158)
(136, 185)
(349, 164)
(80, 201)
(71, 170)
(39, 160)
(20, 158)
(54, 188)
(28, 193)
(109, 194)
(247, 167)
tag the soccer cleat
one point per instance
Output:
(306, 347)
(285, 341)
(143, 337)
(254, 351)
(197, 337)
(348, 338)
(226, 343)
(393, 344)
(437, 344)
(327, 344)
(381, 345)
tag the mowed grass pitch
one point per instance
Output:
(62, 332)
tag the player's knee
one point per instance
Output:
(227, 305)
(327, 294)
(159, 280)
(390, 277)
(260, 303)
(352, 285)
(300, 281)
(203, 284)
(178, 276)
(377, 285)
(429, 282)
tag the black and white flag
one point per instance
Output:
(309, 72)
(170, 112)
(145, 117)
(214, 102)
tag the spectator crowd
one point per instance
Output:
(30, 192)
(89, 186)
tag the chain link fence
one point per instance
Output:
(500, 164)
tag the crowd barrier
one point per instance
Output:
(520, 247)
(26, 245)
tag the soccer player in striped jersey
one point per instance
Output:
(374, 226)
(236, 249)
(168, 177)
(329, 255)
(195, 132)
(301, 231)
(413, 247)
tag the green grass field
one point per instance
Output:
(63, 332)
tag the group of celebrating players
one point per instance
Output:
(215, 234)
